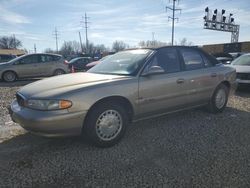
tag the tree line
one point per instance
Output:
(75, 48)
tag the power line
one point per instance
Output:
(173, 18)
(56, 37)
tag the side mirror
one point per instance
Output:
(153, 71)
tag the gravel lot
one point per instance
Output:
(186, 149)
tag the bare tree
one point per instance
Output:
(49, 50)
(10, 42)
(185, 42)
(152, 43)
(70, 48)
(119, 45)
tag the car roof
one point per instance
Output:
(157, 48)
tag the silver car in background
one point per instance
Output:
(33, 65)
(129, 86)
(242, 66)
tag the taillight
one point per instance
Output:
(66, 62)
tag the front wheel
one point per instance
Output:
(58, 72)
(9, 76)
(219, 99)
(106, 124)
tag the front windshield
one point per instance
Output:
(243, 60)
(122, 63)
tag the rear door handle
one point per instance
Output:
(180, 81)
(213, 75)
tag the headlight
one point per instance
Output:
(48, 104)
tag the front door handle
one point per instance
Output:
(180, 81)
(213, 75)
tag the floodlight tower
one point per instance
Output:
(220, 22)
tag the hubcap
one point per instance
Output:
(220, 98)
(59, 72)
(108, 125)
(9, 77)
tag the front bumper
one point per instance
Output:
(48, 123)
(243, 81)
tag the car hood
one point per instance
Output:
(241, 69)
(57, 85)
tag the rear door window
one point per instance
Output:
(192, 59)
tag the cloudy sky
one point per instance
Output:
(33, 21)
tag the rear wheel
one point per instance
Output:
(59, 72)
(106, 124)
(219, 99)
(9, 76)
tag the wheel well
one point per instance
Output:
(59, 70)
(226, 83)
(118, 100)
(9, 71)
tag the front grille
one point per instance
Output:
(243, 76)
(20, 99)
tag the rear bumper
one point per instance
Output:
(48, 123)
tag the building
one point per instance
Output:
(16, 52)
(227, 47)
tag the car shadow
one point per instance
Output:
(243, 90)
(18, 83)
(169, 146)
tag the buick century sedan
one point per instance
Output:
(129, 86)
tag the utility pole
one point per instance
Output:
(153, 38)
(14, 37)
(80, 40)
(86, 31)
(173, 18)
(35, 48)
(56, 37)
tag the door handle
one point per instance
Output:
(180, 81)
(213, 75)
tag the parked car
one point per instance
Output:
(242, 66)
(33, 65)
(79, 63)
(130, 86)
(94, 63)
(236, 54)
(224, 58)
(6, 57)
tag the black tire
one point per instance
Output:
(59, 72)
(9, 76)
(219, 99)
(93, 128)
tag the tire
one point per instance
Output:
(9, 76)
(58, 72)
(219, 99)
(106, 124)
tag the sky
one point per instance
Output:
(33, 21)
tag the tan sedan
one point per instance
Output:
(33, 65)
(129, 86)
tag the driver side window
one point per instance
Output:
(167, 59)
(29, 60)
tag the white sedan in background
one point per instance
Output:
(242, 66)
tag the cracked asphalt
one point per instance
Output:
(187, 149)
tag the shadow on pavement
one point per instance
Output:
(18, 83)
(243, 90)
